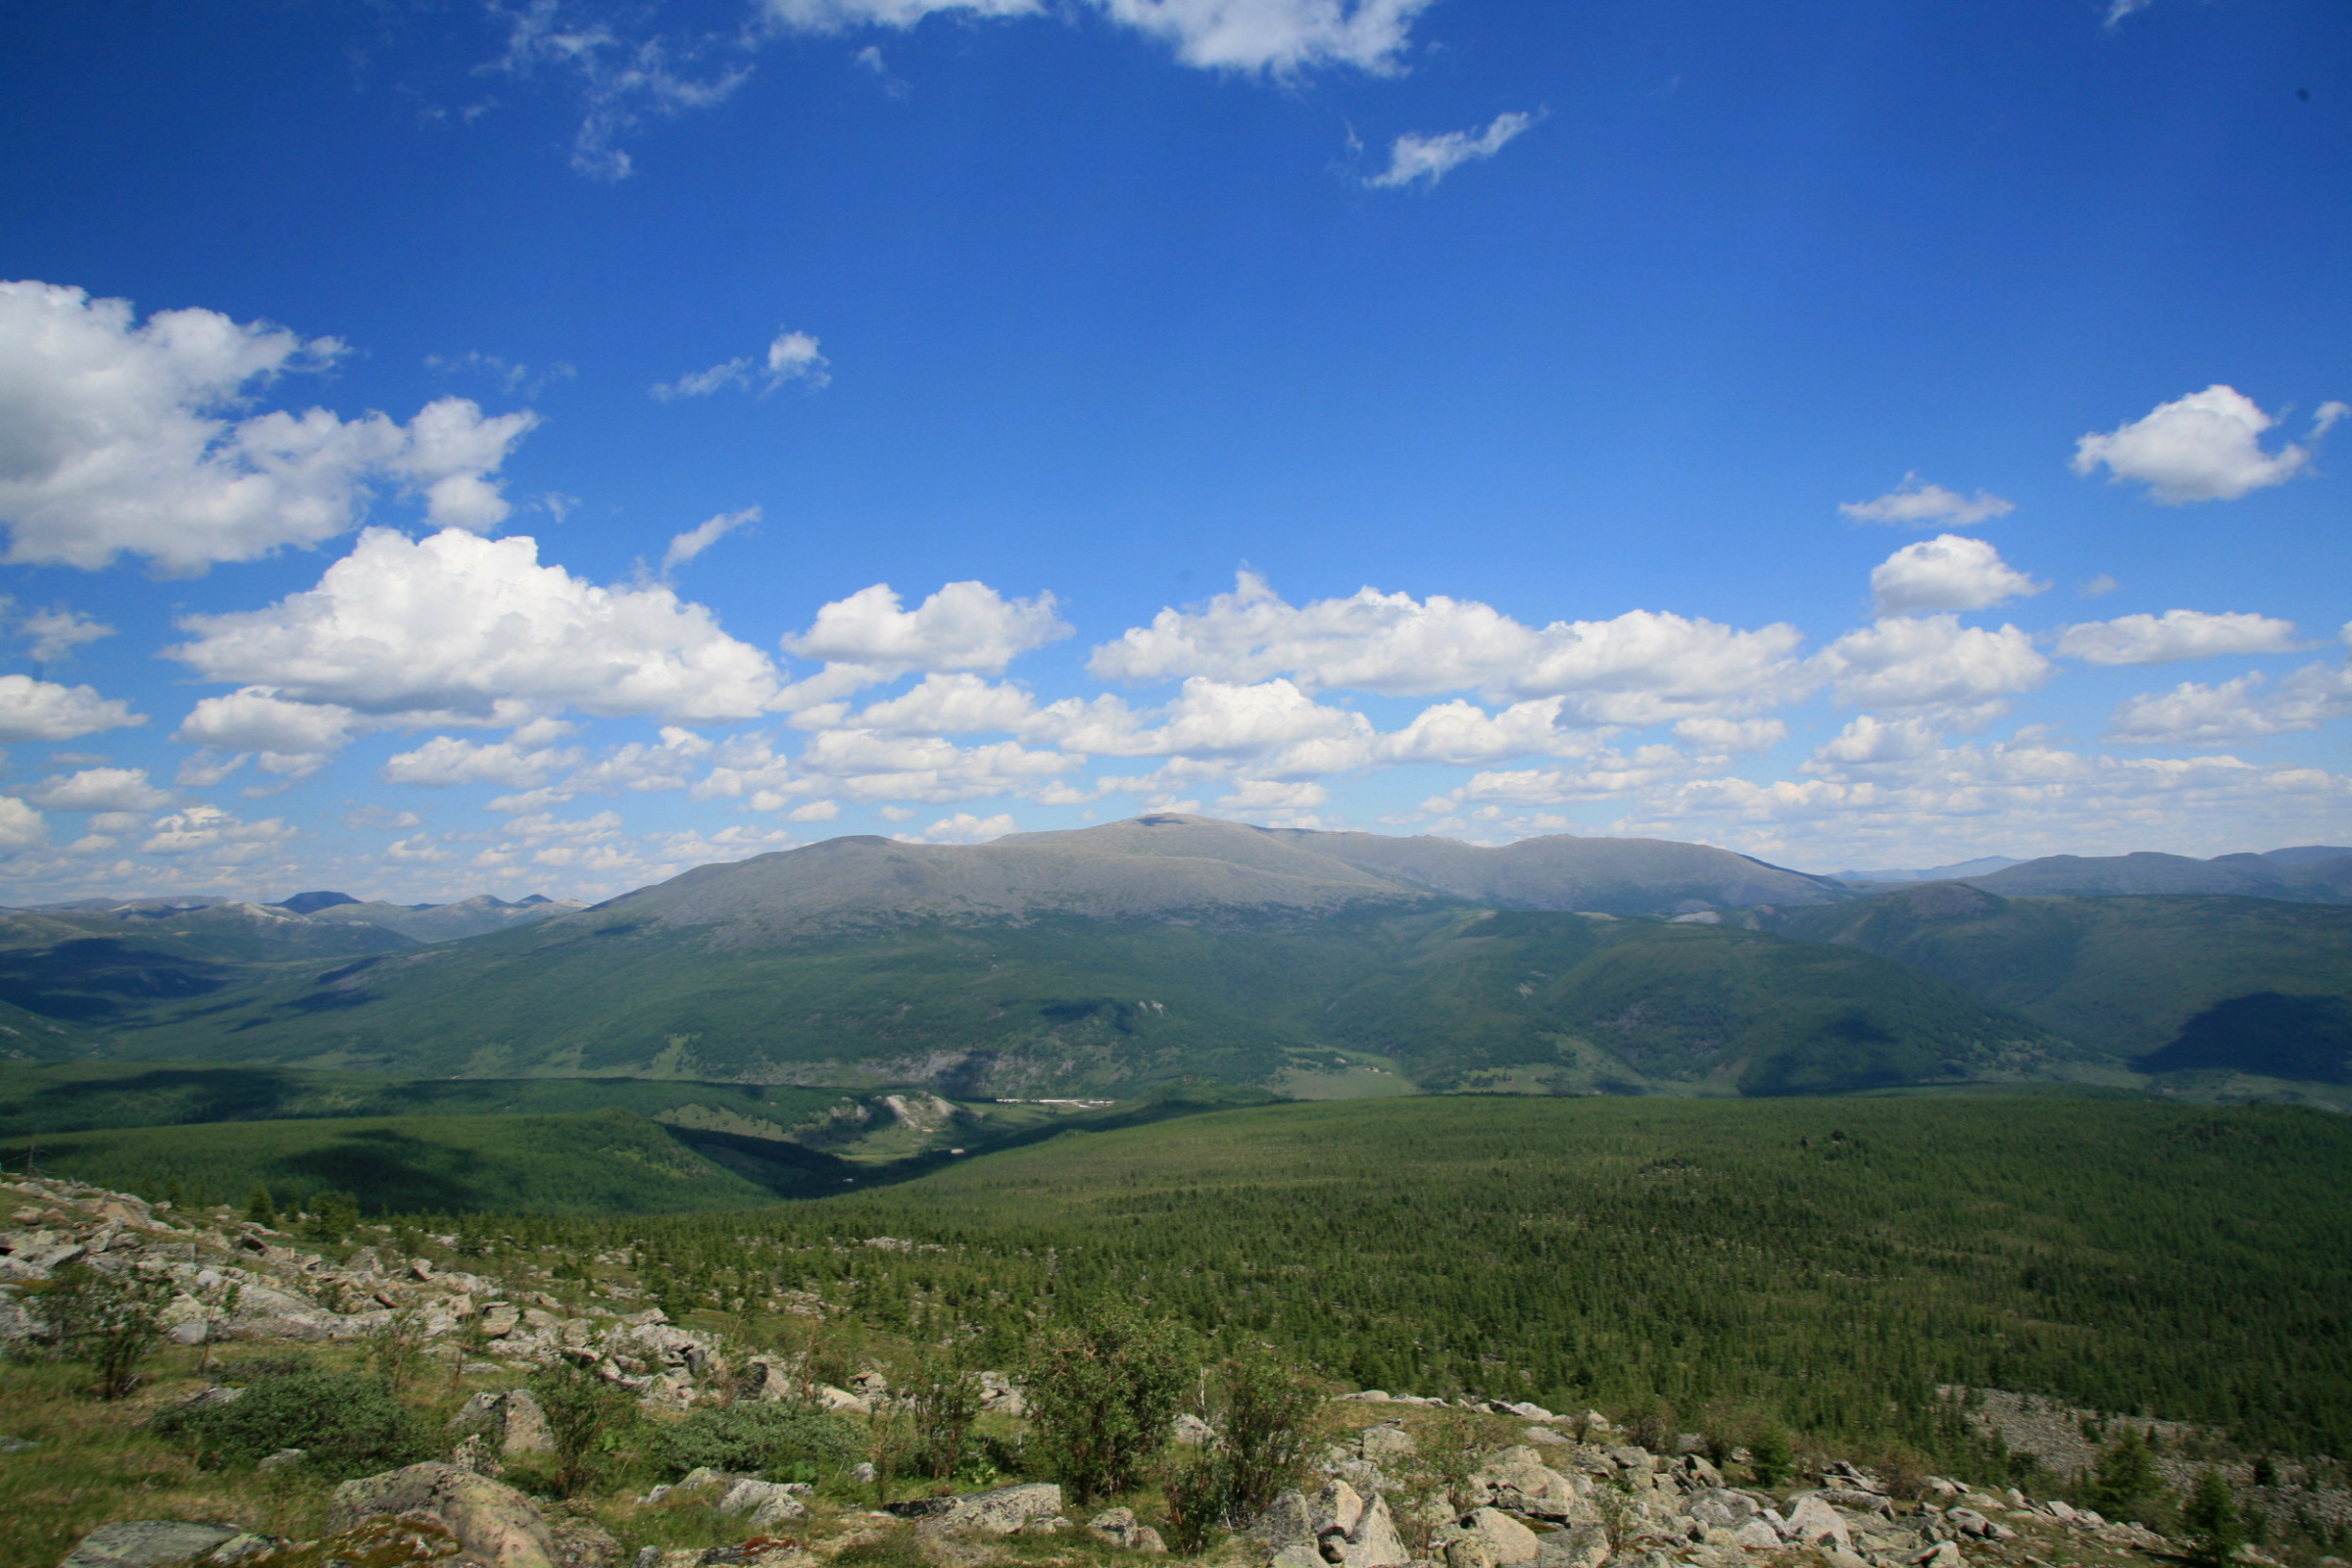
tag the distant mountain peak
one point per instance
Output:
(311, 903)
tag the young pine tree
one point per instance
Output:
(2126, 1483)
(2210, 1519)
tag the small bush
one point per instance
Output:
(111, 1320)
(782, 1442)
(348, 1425)
(585, 1416)
(1102, 1392)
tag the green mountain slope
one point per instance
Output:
(1837, 1259)
(2125, 976)
(1445, 996)
(599, 1162)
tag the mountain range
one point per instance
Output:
(1106, 960)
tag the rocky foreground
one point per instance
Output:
(1555, 1491)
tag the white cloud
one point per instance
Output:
(965, 828)
(209, 828)
(790, 357)
(1728, 737)
(1949, 571)
(454, 629)
(1929, 661)
(703, 535)
(1916, 503)
(2204, 447)
(21, 826)
(99, 789)
(865, 766)
(2026, 796)
(1261, 798)
(54, 634)
(291, 737)
(1869, 741)
(117, 438)
(959, 703)
(1249, 35)
(1463, 734)
(43, 711)
(965, 625)
(2174, 634)
(1608, 774)
(1642, 667)
(445, 760)
(1429, 159)
(2193, 713)
(637, 768)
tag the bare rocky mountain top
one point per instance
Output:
(1176, 865)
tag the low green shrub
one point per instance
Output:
(781, 1441)
(346, 1424)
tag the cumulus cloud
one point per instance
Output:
(1929, 661)
(965, 828)
(1425, 160)
(209, 828)
(445, 760)
(43, 711)
(21, 826)
(790, 357)
(2204, 447)
(2193, 713)
(292, 737)
(965, 625)
(119, 437)
(1916, 503)
(458, 630)
(1280, 36)
(1642, 667)
(99, 789)
(1730, 737)
(703, 535)
(2174, 634)
(954, 704)
(1869, 741)
(1949, 571)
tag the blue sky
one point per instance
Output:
(545, 446)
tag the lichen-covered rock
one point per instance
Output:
(497, 1525)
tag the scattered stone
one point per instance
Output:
(1119, 1527)
(1578, 1546)
(770, 1504)
(1189, 1428)
(283, 1459)
(1512, 1540)
(999, 1511)
(146, 1543)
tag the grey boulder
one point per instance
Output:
(146, 1543)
